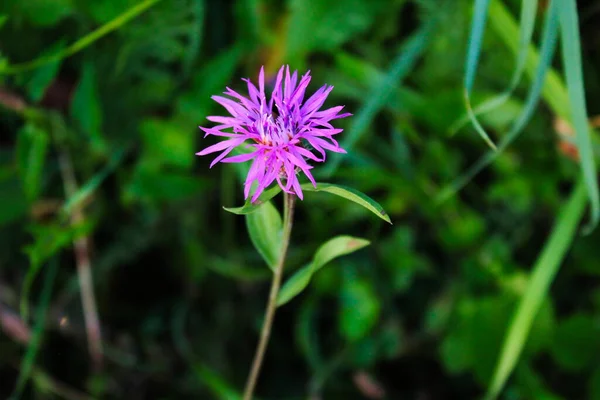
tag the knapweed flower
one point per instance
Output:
(283, 133)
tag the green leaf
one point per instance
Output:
(528, 15)
(333, 248)
(549, 36)
(250, 207)
(265, 227)
(32, 147)
(480, 12)
(543, 273)
(507, 30)
(36, 338)
(86, 109)
(571, 52)
(352, 195)
(576, 343)
(38, 80)
(360, 309)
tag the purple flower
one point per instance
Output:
(285, 132)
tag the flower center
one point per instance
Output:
(274, 129)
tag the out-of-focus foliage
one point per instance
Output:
(422, 312)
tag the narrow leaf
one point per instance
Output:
(528, 15)
(250, 207)
(32, 147)
(543, 273)
(85, 107)
(473, 52)
(38, 80)
(36, 338)
(549, 36)
(352, 195)
(337, 247)
(571, 51)
(265, 227)
(333, 248)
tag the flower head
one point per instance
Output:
(285, 132)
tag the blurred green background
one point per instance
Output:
(97, 171)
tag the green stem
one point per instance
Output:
(288, 216)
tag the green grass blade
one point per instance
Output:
(528, 14)
(506, 28)
(478, 23)
(401, 66)
(549, 37)
(85, 41)
(36, 337)
(542, 275)
(571, 51)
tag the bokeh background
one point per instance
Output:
(98, 173)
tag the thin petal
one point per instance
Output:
(231, 106)
(223, 120)
(212, 131)
(297, 189)
(298, 94)
(240, 158)
(307, 153)
(316, 100)
(252, 91)
(261, 82)
(220, 146)
(220, 157)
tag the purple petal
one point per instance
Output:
(298, 94)
(307, 153)
(220, 146)
(223, 120)
(215, 132)
(261, 82)
(297, 189)
(240, 158)
(231, 106)
(244, 100)
(220, 157)
(316, 100)
(288, 83)
(252, 91)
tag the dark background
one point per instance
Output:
(419, 314)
